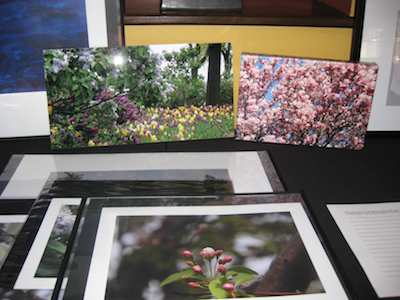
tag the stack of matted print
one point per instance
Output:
(212, 225)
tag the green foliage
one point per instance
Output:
(182, 275)
(214, 128)
(241, 274)
(226, 89)
(54, 254)
(186, 92)
(242, 270)
(215, 287)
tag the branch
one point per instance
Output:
(291, 271)
(83, 109)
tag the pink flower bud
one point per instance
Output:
(226, 259)
(219, 252)
(229, 287)
(221, 269)
(187, 253)
(193, 284)
(197, 269)
(207, 253)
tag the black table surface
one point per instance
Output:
(323, 176)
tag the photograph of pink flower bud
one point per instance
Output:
(209, 257)
(304, 102)
(139, 94)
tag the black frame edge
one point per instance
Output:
(357, 30)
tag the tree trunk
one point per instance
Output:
(290, 272)
(227, 60)
(195, 73)
(214, 71)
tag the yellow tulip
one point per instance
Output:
(124, 132)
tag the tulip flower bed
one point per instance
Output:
(304, 102)
(152, 125)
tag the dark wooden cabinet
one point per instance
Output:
(142, 7)
(305, 13)
(325, 13)
(243, 8)
(282, 8)
(199, 7)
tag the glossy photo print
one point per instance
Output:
(139, 94)
(304, 102)
(200, 247)
(10, 225)
(26, 28)
(184, 257)
(42, 260)
(41, 266)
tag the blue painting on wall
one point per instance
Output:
(29, 26)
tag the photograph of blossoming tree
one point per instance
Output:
(139, 94)
(304, 102)
(209, 257)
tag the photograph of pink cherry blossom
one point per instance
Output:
(304, 102)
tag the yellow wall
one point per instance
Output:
(329, 43)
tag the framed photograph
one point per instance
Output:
(381, 44)
(269, 248)
(304, 101)
(41, 266)
(139, 182)
(28, 27)
(33, 266)
(58, 205)
(13, 214)
(38, 250)
(139, 94)
(248, 171)
(10, 225)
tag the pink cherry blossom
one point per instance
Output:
(187, 253)
(197, 269)
(304, 102)
(207, 253)
(193, 284)
(228, 287)
(221, 269)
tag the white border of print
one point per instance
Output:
(12, 219)
(245, 168)
(26, 279)
(25, 114)
(377, 46)
(97, 278)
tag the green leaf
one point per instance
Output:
(184, 274)
(241, 278)
(216, 290)
(56, 246)
(241, 274)
(241, 269)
